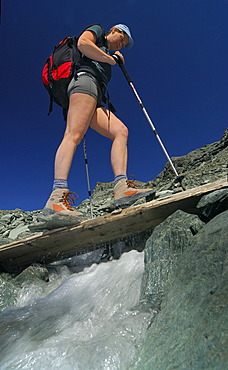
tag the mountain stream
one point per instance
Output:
(86, 320)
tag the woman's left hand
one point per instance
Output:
(120, 55)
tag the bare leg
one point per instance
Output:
(82, 113)
(81, 110)
(115, 130)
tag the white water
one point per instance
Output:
(89, 321)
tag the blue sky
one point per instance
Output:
(178, 66)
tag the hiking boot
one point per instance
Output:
(60, 202)
(126, 193)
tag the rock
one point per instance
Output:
(17, 231)
(206, 164)
(7, 218)
(162, 251)
(5, 234)
(4, 240)
(32, 273)
(191, 287)
(10, 286)
(107, 206)
(214, 203)
(54, 221)
(164, 193)
(8, 291)
(78, 263)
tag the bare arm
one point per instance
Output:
(87, 46)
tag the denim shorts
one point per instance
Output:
(86, 84)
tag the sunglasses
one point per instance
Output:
(121, 31)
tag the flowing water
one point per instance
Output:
(86, 320)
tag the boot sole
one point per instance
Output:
(128, 200)
(48, 212)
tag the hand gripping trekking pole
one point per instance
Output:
(119, 61)
(87, 176)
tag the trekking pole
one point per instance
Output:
(87, 176)
(119, 61)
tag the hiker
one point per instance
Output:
(85, 109)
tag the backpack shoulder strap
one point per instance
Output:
(101, 40)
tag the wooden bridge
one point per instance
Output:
(68, 240)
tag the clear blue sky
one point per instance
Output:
(178, 66)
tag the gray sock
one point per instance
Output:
(60, 184)
(118, 178)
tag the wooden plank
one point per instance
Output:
(68, 240)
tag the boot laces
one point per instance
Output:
(68, 199)
(131, 182)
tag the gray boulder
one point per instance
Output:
(186, 282)
(214, 203)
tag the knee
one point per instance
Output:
(123, 132)
(75, 138)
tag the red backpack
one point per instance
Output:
(60, 68)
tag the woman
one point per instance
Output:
(85, 109)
